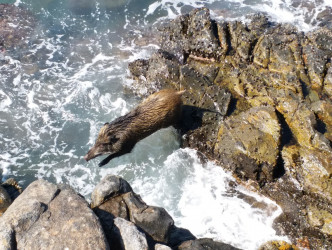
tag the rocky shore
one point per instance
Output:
(258, 101)
(49, 216)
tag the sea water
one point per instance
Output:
(70, 79)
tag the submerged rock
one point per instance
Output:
(16, 25)
(50, 216)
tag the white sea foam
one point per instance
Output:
(197, 194)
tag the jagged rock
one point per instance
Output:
(249, 143)
(110, 186)
(5, 200)
(277, 245)
(50, 216)
(205, 243)
(323, 110)
(154, 221)
(311, 168)
(321, 219)
(131, 237)
(264, 66)
(191, 34)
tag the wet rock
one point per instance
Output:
(242, 40)
(205, 243)
(276, 245)
(50, 216)
(131, 237)
(191, 34)
(249, 142)
(201, 34)
(5, 200)
(16, 25)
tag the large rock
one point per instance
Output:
(205, 243)
(248, 143)
(110, 186)
(47, 216)
(154, 221)
(131, 237)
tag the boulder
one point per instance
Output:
(53, 217)
(131, 237)
(205, 243)
(154, 221)
(110, 186)
(5, 200)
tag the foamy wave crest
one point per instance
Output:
(205, 199)
(303, 14)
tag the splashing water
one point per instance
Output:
(69, 79)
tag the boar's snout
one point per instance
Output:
(86, 157)
(91, 154)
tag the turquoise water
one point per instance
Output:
(70, 78)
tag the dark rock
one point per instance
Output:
(154, 221)
(45, 216)
(5, 200)
(205, 244)
(179, 235)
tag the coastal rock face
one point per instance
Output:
(258, 101)
(46, 216)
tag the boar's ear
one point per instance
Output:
(106, 123)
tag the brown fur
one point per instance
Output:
(160, 110)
